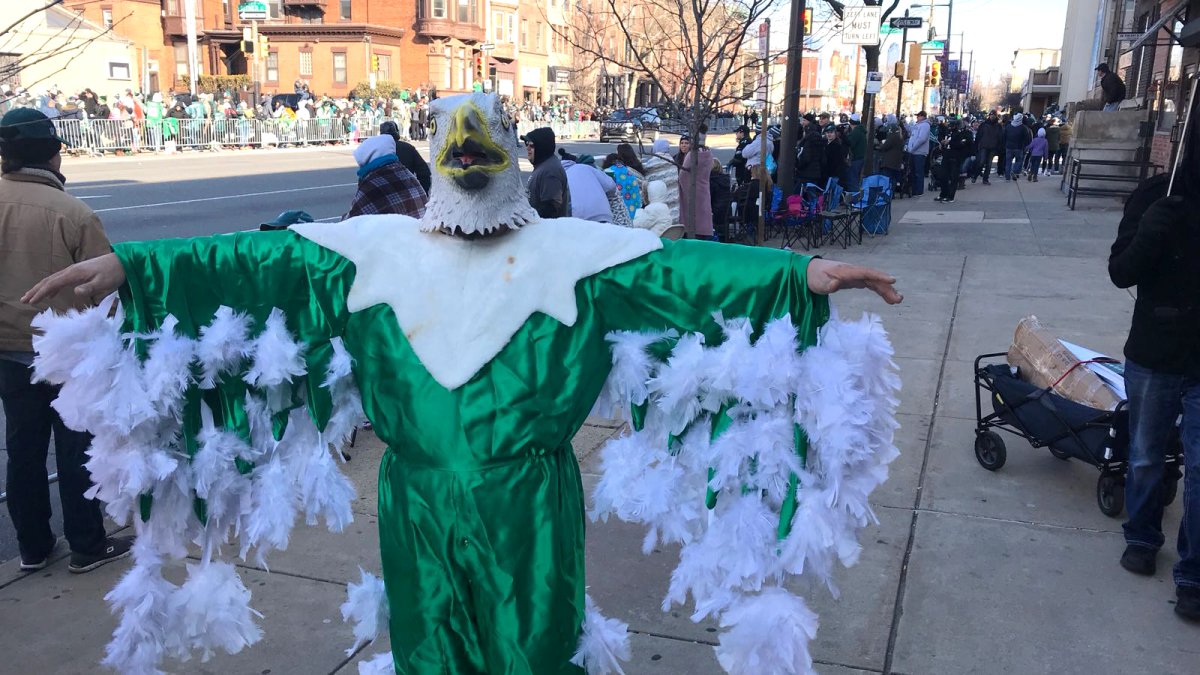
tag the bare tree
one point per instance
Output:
(61, 44)
(693, 52)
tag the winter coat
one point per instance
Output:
(918, 140)
(836, 161)
(1158, 250)
(958, 144)
(699, 210)
(857, 140)
(1113, 88)
(1038, 147)
(590, 188)
(1017, 136)
(990, 135)
(891, 151)
(810, 161)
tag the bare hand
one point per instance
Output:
(93, 280)
(827, 276)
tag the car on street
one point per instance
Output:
(629, 125)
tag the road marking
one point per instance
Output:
(92, 196)
(213, 199)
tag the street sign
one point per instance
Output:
(888, 30)
(906, 22)
(934, 46)
(764, 39)
(1128, 37)
(874, 82)
(252, 11)
(486, 47)
(860, 25)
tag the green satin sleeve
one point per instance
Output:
(684, 283)
(252, 273)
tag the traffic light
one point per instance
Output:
(264, 43)
(900, 69)
(480, 75)
(808, 21)
(374, 63)
(935, 74)
(248, 46)
(928, 70)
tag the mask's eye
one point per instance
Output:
(433, 125)
(505, 121)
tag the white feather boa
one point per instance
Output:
(134, 409)
(841, 392)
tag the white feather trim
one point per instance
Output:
(134, 409)
(366, 605)
(380, 664)
(603, 643)
(842, 392)
(223, 345)
(211, 611)
(768, 635)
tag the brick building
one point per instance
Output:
(332, 45)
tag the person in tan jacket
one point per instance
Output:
(43, 230)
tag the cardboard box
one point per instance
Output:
(1042, 360)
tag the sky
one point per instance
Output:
(992, 29)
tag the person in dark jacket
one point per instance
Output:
(810, 158)
(837, 156)
(1112, 87)
(740, 169)
(720, 190)
(1016, 137)
(956, 147)
(1158, 250)
(857, 142)
(409, 156)
(990, 140)
(891, 155)
(548, 191)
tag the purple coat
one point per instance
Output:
(701, 217)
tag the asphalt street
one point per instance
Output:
(201, 193)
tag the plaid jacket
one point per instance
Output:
(391, 188)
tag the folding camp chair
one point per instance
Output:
(874, 205)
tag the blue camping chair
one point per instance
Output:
(874, 205)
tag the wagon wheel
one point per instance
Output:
(990, 450)
(1110, 495)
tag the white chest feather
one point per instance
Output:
(460, 301)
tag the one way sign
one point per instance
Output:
(906, 22)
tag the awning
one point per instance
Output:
(1151, 33)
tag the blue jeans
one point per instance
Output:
(1014, 159)
(853, 178)
(918, 174)
(1156, 400)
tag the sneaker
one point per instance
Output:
(986, 182)
(938, 199)
(37, 563)
(1140, 560)
(115, 548)
(946, 201)
(1187, 602)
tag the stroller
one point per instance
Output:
(1069, 430)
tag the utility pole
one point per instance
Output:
(903, 55)
(189, 17)
(946, 46)
(760, 232)
(791, 99)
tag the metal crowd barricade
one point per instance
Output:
(99, 136)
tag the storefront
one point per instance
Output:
(1159, 69)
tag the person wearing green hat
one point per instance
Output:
(43, 229)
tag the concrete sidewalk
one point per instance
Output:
(967, 572)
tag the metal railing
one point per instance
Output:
(170, 134)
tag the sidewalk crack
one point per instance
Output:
(898, 608)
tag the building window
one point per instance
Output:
(339, 67)
(181, 59)
(272, 66)
(118, 70)
(344, 10)
(106, 17)
(524, 33)
(466, 11)
(306, 64)
(437, 9)
(385, 67)
(1173, 95)
(274, 9)
(173, 8)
